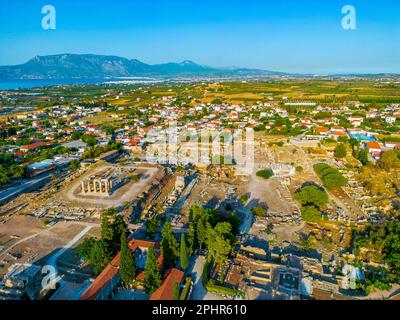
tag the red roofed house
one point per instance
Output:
(166, 291)
(33, 146)
(321, 130)
(374, 149)
(356, 120)
(337, 134)
(338, 129)
(105, 282)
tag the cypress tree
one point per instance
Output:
(127, 265)
(184, 253)
(118, 227)
(152, 278)
(100, 256)
(175, 293)
(107, 232)
(169, 246)
(191, 238)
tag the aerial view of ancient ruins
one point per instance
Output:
(122, 180)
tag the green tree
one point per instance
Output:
(191, 238)
(89, 140)
(266, 173)
(354, 143)
(175, 294)
(152, 278)
(74, 165)
(334, 181)
(259, 211)
(119, 227)
(311, 195)
(199, 218)
(318, 167)
(112, 226)
(184, 256)
(340, 151)
(311, 214)
(106, 227)
(152, 225)
(169, 246)
(100, 256)
(85, 248)
(127, 267)
(4, 179)
(244, 198)
(331, 177)
(219, 242)
(201, 234)
(362, 156)
(389, 159)
(384, 242)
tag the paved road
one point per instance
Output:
(196, 271)
(27, 184)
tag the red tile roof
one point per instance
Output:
(112, 269)
(339, 134)
(373, 145)
(338, 128)
(321, 129)
(166, 291)
(34, 145)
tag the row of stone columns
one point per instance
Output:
(96, 186)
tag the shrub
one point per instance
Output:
(266, 173)
(311, 214)
(259, 211)
(186, 288)
(331, 177)
(311, 195)
(223, 290)
(340, 151)
(334, 181)
(319, 167)
(244, 198)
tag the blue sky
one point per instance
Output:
(284, 35)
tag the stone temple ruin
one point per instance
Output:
(283, 170)
(106, 183)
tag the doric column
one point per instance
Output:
(83, 187)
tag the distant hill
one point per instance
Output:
(72, 66)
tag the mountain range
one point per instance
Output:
(75, 66)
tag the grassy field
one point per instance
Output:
(375, 93)
(319, 91)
